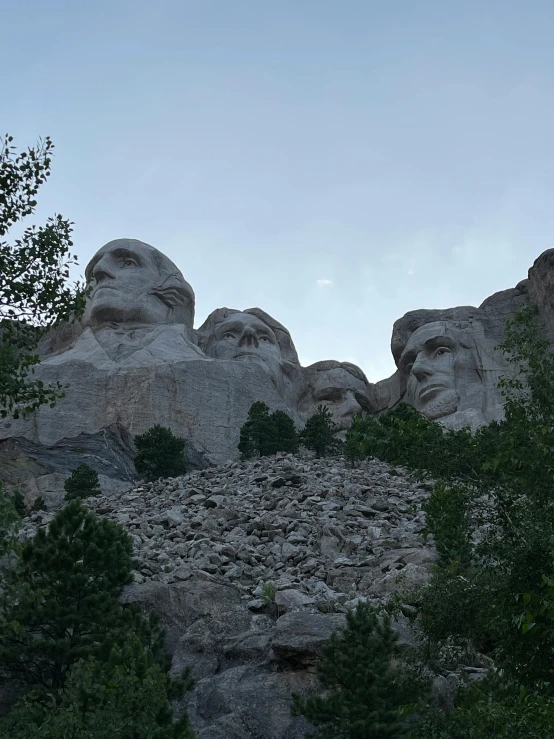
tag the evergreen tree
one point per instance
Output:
(266, 433)
(286, 436)
(257, 435)
(319, 432)
(19, 504)
(125, 697)
(61, 602)
(160, 454)
(363, 694)
(82, 483)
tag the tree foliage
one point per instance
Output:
(82, 483)
(265, 433)
(86, 666)
(61, 603)
(34, 272)
(319, 432)
(160, 454)
(364, 696)
(125, 697)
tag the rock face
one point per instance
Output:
(136, 360)
(324, 535)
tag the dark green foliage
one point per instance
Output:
(38, 505)
(60, 604)
(160, 454)
(492, 707)
(125, 697)
(34, 271)
(319, 432)
(447, 514)
(405, 437)
(364, 695)
(9, 520)
(82, 483)
(266, 433)
(286, 436)
(19, 504)
(91, 668)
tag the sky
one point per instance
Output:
(336, 163)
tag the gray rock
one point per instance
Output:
(299, 636)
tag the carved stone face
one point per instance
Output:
(440, 370)
(339, 386)
(245, 337)
(132, 282)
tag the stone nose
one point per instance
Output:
(101, 271)
(249, 338)
(422, 368)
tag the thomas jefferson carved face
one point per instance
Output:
(132, 282)
(245, 337)
(441, 369)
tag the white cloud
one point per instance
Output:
(323, 283)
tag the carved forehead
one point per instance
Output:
(145, 254)
(240, 320)
(332, 373)
(430, 336)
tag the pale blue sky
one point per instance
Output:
(335, 163)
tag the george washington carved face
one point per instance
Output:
(132, 282)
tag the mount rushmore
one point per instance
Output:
(135, 360)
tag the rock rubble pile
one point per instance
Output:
(252, 565)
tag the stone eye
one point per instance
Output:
(264, 338)
(442, 350)
(228, 335)
(129, 263)
(409, 367)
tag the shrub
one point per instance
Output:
(160, 454)
(319, 432)
(82, 483)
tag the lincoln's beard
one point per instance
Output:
(444, 404)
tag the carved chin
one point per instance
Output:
(442, 405)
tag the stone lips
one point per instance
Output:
(136, 360)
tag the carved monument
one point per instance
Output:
(135, 360)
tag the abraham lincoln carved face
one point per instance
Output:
(132, 282)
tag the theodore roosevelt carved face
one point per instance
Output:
(132, 282)
(341, 386)
(441, 369)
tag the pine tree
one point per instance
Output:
(19, 504)
(266, 433)
(319, 432)
(257, 435)
(286, 436)
(160, 454)
(125, 697)
(61, 602)
(363, 695)
(82, 483)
